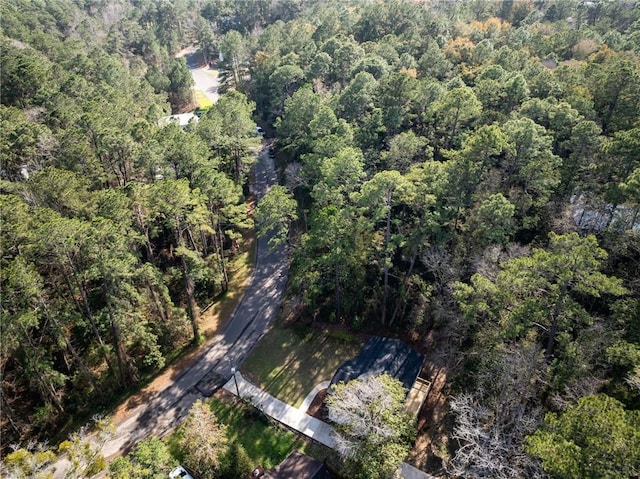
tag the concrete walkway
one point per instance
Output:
(297, 419)
(284, 413)
(312, 395)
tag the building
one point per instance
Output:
(299, 466)
(396, 358)
(182, 120)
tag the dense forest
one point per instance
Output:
(464, 175)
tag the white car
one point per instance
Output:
(180, 473)
(259, 131)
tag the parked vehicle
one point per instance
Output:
(180, 473)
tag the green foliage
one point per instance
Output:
(202, 439)
(494, 220)
(596, 437)
(95, 233)
(237, 463)
(275, 213)
(84, 451)
(150, 459)
(536, 292)
(424, 143)
(28, 464)
(265, 444)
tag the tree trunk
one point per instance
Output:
(192, 240)
(159, 306)
(84, 369)
(454, 127)
(338, 292)
(9, 414)
(192, 306)
(145, 231)
(128, 373)
(223, 263)
(553, 330)
(85, 310)
(218, 241)
(47, 390)
(400, 304)
(387, 239)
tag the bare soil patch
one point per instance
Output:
(317, 407)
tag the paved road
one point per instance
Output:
(202, 75)
(251, 319)
(206, 82)
(212, 369)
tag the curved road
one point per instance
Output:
(203, 78)
(212, 368)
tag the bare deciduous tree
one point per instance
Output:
(491, 423)
(373, 428)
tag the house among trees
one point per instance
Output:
(391, 356)
(299, 466)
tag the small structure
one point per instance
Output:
(182, 120)
(392, 356)
(383, 355)
(299, 466)
(591, 215)
(180, 473)
(417, 396)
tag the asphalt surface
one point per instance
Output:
(202, 74)
(206, 82)
(208, 373)
(212, 368)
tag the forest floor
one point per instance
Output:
(434, 421)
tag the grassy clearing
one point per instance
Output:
(290, 361)
(201, 99)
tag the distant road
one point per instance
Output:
(212, 368)
(205, 78)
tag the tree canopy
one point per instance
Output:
(463, 175)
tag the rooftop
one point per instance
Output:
(299, 466)
(383, 355)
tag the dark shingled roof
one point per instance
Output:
(299, 466)
(383, 355)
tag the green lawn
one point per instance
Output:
(290, 361)
(267, 444)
